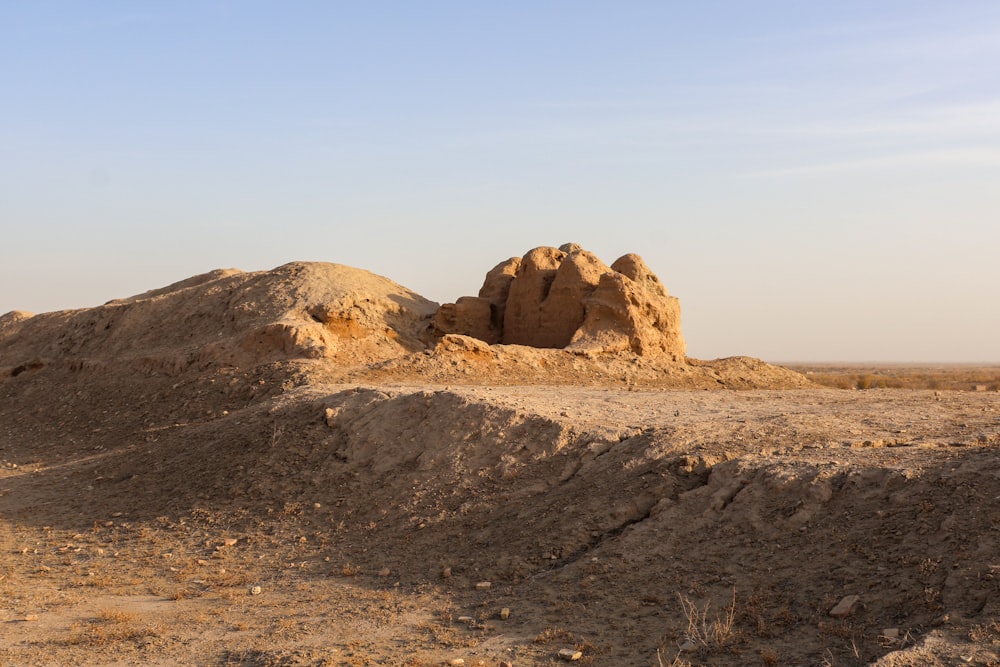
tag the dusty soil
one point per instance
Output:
(230, 501)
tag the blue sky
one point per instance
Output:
(814, 180)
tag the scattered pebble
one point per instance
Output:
(505, 613)
(31, 617)
(846, 606)
(446, 573)
(256, 590)
(570, 654)
(483, 585)
(229, 542)
(456, 661)
(384, 572)
(688, 646)
(466, 619)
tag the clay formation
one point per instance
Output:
(568, 298)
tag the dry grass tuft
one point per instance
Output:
(111, 626)
(549, 635)
(706, 631)
(676, 662)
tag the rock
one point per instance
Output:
(626, 315)
(688, 646)
(229, 542)
(31, 617)
(384, 572)
(456, 661)
(890, 636)
(567, 298)
(483, 585)
(562, 312)
(256, 590)
(846, 606)
(496, 288)
(468, 316)
(569, 654)
(522, 322)
(467, 620)
(446, 573)
(505, 613)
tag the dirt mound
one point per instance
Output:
(464, 360)
(229, 318)
(568, 298)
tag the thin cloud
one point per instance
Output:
(971, 157)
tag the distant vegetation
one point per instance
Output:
(957, 377)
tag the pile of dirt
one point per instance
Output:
(228, 318)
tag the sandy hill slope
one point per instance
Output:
(228, 318)
(294, 467)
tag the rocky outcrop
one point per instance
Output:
(568, 298)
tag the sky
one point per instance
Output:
(816, 181)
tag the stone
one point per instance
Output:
(505, 613)
(483, 586)
(846, 606)
(256, 590)
(229, 542)
(569, 654)
(456, 661)
(31, 617)
(688, 646)
(467, 620)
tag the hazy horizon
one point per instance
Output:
(814, 182)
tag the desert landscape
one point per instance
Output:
(314, 465)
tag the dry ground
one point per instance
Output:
(639, 527)
(283, 468)
(943, 377)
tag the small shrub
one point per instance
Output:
(705, 631)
